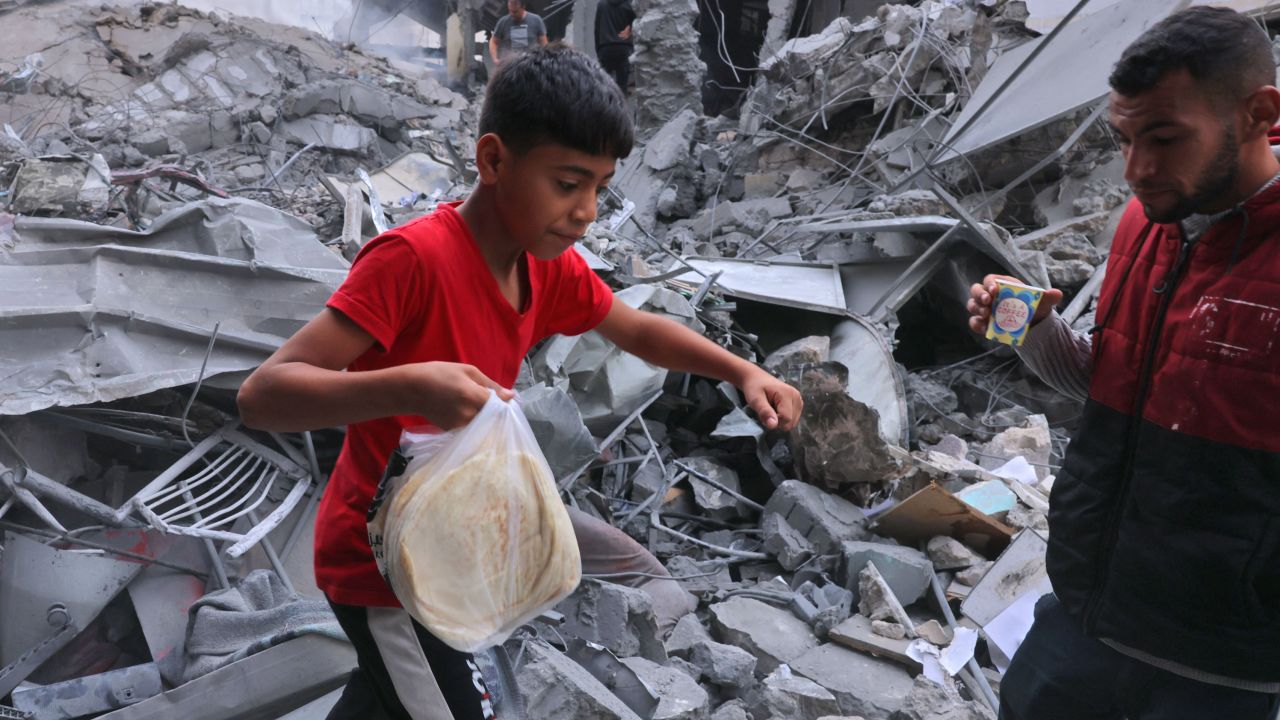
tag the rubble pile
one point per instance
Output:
(180, 191)
(248, 108)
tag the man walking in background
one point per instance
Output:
(516, 32)
(613, 39)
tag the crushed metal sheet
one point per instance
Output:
(1041, 92)
(266, 684)
(808, 286)
(1045, 14)
(44, 616)
(859, 346)
(91, 313)
(91, 695)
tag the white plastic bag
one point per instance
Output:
(469, 530)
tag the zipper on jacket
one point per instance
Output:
(1165, 290)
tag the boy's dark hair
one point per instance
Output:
(556, 94)
(1224, 51)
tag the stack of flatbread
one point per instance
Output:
(478, 549)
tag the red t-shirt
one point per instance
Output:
(424, 292)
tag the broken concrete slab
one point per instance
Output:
(947, 553)
(785, 696)
(825, 520)
(930, 701)
(670, 145)
(906, 570)
(617, 617)
(721, 502)
(726, 666)
(749, 216)
(732, 710)
(688, 633)
(774, 636)
(858, 634)
(862, 685)
(679, 696)
(328, 132)
(556, 687)
(666, 62)
(1032, 441)
(876, 600)
(809, 350)
(785, 543)
(934, 632)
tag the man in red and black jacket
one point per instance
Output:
(1164, 547)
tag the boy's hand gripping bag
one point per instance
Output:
(468, 529)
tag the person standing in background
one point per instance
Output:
(516, 32)
(613, 39)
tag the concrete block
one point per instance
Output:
(687, 634)
(685, 667)
(802, 179)
(715, 502)
(556, 687)
(888, 630)
(972, 575)
(878, 602)
(774, 636)
(906, 570)
(785, 696)
(324, 97)
(679, 696)
(670, 146)
(824, 519)
(328, 133)
(931, 701)
(805, 351)
(947, 553)
(615, 616)
(785, 542)
(859, 633)
(935, 632)
(762, 185)
(862, 685)
(732, 710)
(725, 665)
(1032, 441)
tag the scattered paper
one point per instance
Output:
(1018, 469)
(1010, 627)
(930, 658)
(960, 651)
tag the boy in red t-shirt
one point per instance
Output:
(440, 311)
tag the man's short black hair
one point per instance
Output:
(521, 3)
(1225, 52)
(556, 94)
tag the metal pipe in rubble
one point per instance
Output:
(987, 693)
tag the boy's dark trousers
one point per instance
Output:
(616, 60)
(1060, 674)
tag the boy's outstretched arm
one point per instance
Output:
(302, 385)
(669, 344)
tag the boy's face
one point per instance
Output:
(547, 196)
